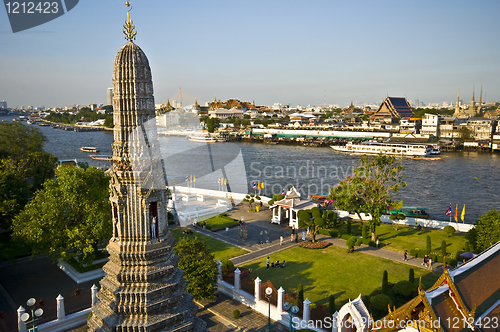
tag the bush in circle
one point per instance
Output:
(236, 313)
(449, 230)
(404, 288)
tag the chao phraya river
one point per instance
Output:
(469, 178)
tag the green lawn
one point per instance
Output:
(219, 249)
(328, 271)
(219, 222)
(407, 238)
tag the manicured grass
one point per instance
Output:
(219, 249)
(219, 222)
(331, 270)
(407, 238)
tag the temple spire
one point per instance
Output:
(457, 106)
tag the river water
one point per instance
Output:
(469, 178)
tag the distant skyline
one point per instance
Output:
(288, 52)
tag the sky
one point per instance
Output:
(273, 51)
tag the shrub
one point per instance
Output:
(331, 304)
(385, 283)
(372, 243)
(449, 230)
(411, 276)
(227, 266)
(429, 246)
(271, 202)
(457, 254)
(467, 246)
(404, 288)
(236, 313)
(414, 252)
(349, 226)
(443, 248)
(346, 236)
(381, 302)
(333, 233)
(350, 243)
(364, 231)
(300, 294)
(359, 241)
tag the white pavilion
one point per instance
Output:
(287, 208)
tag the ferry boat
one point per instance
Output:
(398, 149)
(202, 139)
(89, 149)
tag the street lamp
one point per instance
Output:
(287, 306)
(269, 291)
(34, 313)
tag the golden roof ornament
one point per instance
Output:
(129, 28)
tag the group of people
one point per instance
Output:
(275, 264)
(427, 261)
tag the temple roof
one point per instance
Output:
(469, 291)
(394, 107)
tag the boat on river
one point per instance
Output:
(101, 157)
(413, 212)
(397, 149)
(202, 139)
(89, 149)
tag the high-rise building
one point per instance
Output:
(3, 104)
(110, 96)
(143, 289)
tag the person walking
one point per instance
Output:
(227, 231)
(291, 237)
(405, 256)
(267, 263)
(303, 236)
(378, 242)
(281, 240)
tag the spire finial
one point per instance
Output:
(129, 28)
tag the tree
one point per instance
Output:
(71, 212)
(369, 188)
(443, 248)
(212, 124)
(18, 140)
(486, 230)
(428, 244)
(200, 268)
(14, 194)
(385, 283)
(108, 121)
(411, 276)
(300, 294)
(312, 218)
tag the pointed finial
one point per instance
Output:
(444, 263)
(129, 28)
(420, 283)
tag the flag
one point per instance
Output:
(218, 181)
(254, 185)
(194, 178)
(456, 213)
(187, 178)
(448, 212)
(262, 185)
(225, 181)
(283, 191)
(462, 216)
(190, 178)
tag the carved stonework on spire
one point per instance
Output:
(143, 289)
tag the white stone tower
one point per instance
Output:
(143, 289)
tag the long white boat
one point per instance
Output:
(203, 139)
(398, 149)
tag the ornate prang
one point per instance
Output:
(143, 289)
(129, 28)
